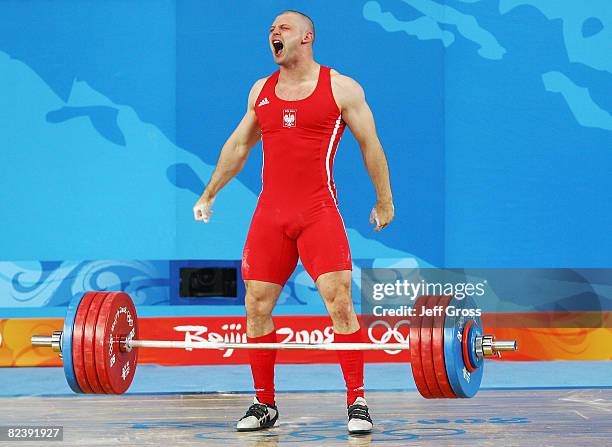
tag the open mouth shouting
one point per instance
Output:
(278, 47)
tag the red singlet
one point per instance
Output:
(297, 212)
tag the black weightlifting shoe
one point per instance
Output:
(359, 421)
(258, 417)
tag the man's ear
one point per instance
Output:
(308, 37)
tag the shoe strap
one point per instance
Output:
(257, 410)
(359, 412)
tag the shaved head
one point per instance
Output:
(291, 38)
(306, 21)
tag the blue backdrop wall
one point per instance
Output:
(495, 116)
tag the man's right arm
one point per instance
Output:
(233, 155)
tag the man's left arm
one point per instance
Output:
(356, 113)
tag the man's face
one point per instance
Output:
(286, 35)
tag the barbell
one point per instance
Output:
(99, 345)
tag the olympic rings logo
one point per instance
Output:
(394, 332)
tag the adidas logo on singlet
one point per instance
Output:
(263, 102)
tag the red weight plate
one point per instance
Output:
(426, 349)
(415, 350)
(438, 350)
(78, 360)
(465, 346)
(117, 319)
(89, 343)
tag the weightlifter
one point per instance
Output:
(300, 112)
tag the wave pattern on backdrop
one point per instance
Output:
(150, 283)
(39, 284)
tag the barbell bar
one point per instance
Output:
(445, 361)
(127, 344)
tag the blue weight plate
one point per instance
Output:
(463, 382)
(67, 343)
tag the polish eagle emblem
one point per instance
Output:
(289, 118)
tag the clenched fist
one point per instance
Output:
(382, 215)
(202, 210)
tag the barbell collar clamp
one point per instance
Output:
(488, 346)
(54, 341)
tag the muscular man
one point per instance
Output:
(300, 112)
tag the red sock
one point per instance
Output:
(351, 363)
(262, 367)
